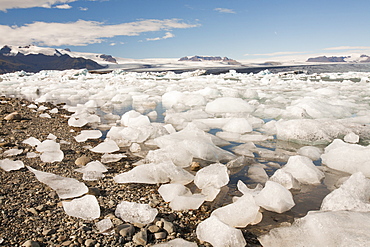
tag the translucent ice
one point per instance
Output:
(303, 169)
(187, 202)
(237, 125)
(32, 141)
(285, 179)
(108, 158)
(351, 138)
(180, 157)
(317, 228)
(170, 191)
(353, 194)
(92, 171)
(133, 119)
(178, 242)
(135, 212)
(105, 226)
(65, 187)
(347, 157)
(86, 207)
(257, 173)
(51, 157)
(88, 134)
(12, 152)
(107, 146)
(50, 151)
(240, 213)
(219, 234)
(314, 153)
(274, 197)
(10, 165)
(229, 104)
(214, 175)
(155, 173)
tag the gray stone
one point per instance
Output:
(141, 238)
(160, 235)
(126, 230)
(154, 229)
(168, 226)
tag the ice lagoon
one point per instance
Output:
(299, 136)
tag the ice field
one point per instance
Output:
(272, 138)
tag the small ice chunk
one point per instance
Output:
(245, 149)
(258, 174)
(42, 108)
(351, 138)
(12, 152)
(347, 157)
(88, 134)
(243, 188)
(32, 106)
(51, 137)
(285, 179)
(238, 162)
(274, 197)
(133, 119)
(314, 153)
(77, 121)
(187, 202)
(65, 187)
(240, 213)
(135, 212)
(32, 141)
(229, 105)
(44, 115)
(353, 194)
(317, 228)
(54, 110)
(180, 157)
(92, 171)
(135, 147)
(10, 165)
(153, 173)
(177, 242)
(108, 146)
(50, 157)
(215, 175)
(237, 125)
(109, 158)
(31, 155)
(105, 226)
(170, 191)
(48, 146)
(86, 207)
(303, 169)
(219, 234)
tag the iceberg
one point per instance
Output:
(86, 207)
(317, 228)
(155, 173)
(347, 157)
(353, 195)
(10, 165)
(219, 234)
(135, 212)
(64, 187)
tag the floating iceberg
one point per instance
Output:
(64, 187)
(340, 229)
(347, 157)
(219, 234)
(135, 212)
(86, 207)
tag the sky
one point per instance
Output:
(238, 29)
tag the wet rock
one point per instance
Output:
(126, 230)
(141, 238)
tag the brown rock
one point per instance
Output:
(83, 160)
(14, 116)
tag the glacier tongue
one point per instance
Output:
(64, 187)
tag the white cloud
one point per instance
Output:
(223, 10)
(280, 53)
(63, 6)
(82, 32)
(83, 9)
(21, 4)
(347, 48)
(166, 36)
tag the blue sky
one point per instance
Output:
(239, 29)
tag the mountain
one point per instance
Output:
(34, 59)
(210, 59)
(341, 59)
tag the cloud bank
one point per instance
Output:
(166, 36)
(81, 32)
(21, 4)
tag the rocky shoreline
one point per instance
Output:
(31, 213)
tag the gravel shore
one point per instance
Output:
(31, 213)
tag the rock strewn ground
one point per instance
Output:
(30, 210)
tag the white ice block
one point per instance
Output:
(135, 212)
